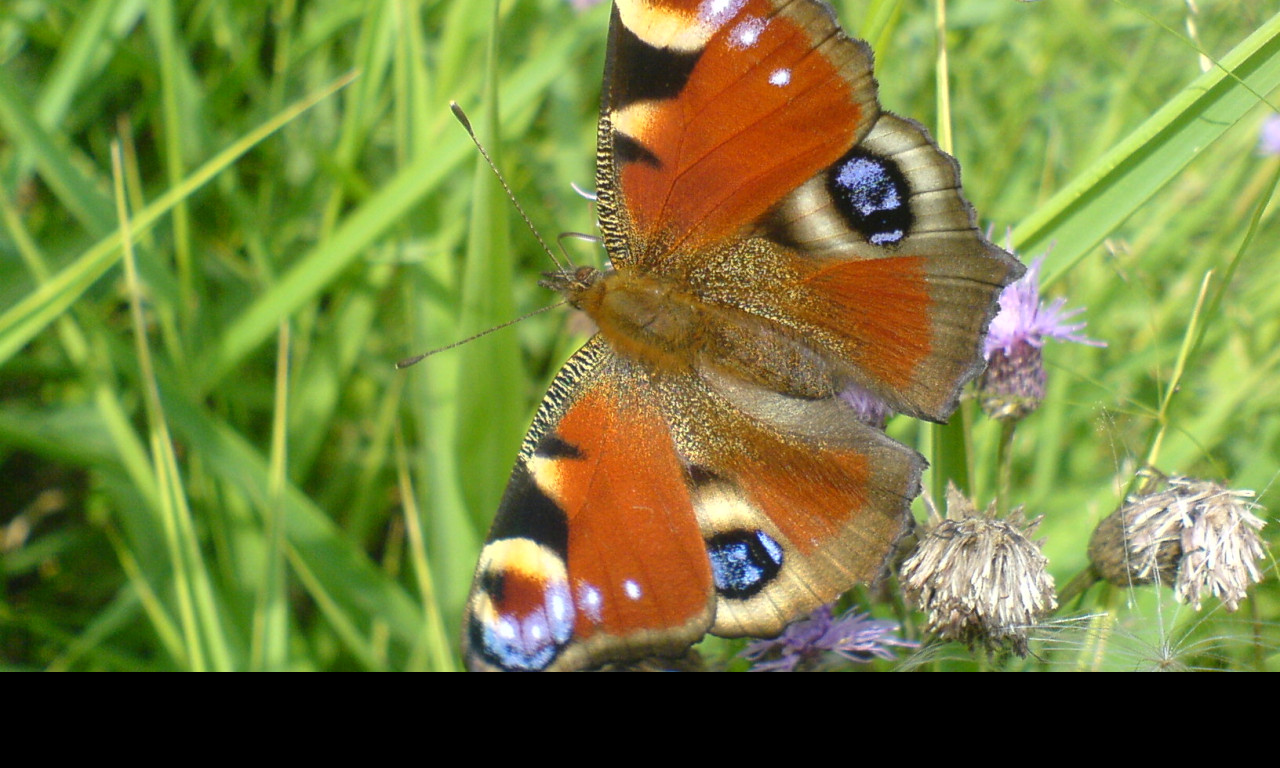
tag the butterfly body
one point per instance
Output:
(686, 324)
(777, 242)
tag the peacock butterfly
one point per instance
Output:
(777, 241)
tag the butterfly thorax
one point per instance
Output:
(664, 325)
(644, 319)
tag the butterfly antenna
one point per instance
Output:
(466, 123)
(573, 236)
(408, 361)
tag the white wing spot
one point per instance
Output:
(506, 629)
(714, 13)
(632, 589)
(748, 32)
(590, 599)
(780, 77)
(559, 607)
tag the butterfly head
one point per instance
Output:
(571, 283)
(583, 288)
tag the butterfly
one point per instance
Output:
(776, 242)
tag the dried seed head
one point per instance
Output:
(981, 580)
(1138, 544)
(1196, 535)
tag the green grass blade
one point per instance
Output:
(81, 195)
(1108, 192)
(20, 323)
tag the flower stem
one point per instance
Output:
(1004, 464)
(1077, 586)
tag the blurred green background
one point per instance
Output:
(258, 488)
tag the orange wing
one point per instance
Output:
(743, 158)
(713, 111)
(797, 500)
(595, 554)
(648, 508)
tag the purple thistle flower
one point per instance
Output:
(1269, 136)
(1024, 319)
(802, 645)
(868, 408)
(1013, 384)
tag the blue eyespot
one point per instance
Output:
(532, 640)
(743, 562)
(872, 195)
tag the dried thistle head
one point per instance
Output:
(1138, 544)
(1197, 535)
(980, 579)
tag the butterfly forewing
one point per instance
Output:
(788, 145)
(595, 554)
(715, 110)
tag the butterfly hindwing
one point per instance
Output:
(896, 279)
(797, 499)
(647, 509)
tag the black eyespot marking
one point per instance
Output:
(701, 476)
(494, 584)
(528, 634)
(872, 194)
(555, 447)
(743, 562)
(641, 72)
(528, 513)
(627, 150)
